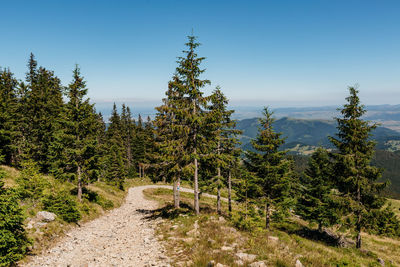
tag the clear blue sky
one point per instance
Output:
(279, 53)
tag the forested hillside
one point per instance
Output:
(64, 161)
(69, 164)
(309, 132)
(304, 136)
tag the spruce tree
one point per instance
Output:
(139, 147)
(13, 239)
(355, 177)
(127, 133)
(272, 170)
(224, 136)
(74, 153)
(116, 168)
(44, 106)
(149, 141)
(318, 202)
(20, 128)
(247, 192)
(169, 142)
(101, 146)
(190, 108)
(8, 103)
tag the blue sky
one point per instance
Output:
(278, 53)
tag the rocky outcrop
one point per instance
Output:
(45, 216)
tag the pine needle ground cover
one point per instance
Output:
(195, 241)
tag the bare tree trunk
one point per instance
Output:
(219, 201)
(196, 178)
(245, 203)
(358, 225)
(219, 186)
(129, 151)
(176, 193)
(143, 171)
(196, 187)
(229, 192)
(267, 215)
(79, 184)
(359, 240)
(175, 189)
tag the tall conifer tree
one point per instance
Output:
(75, 146)
(8, 104)
(44, 106)
(116, 168)
(272, 169)
(355, 177)
(190, 111)
(224, 136)
(318, 202)
(169, 141)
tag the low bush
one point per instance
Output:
(62, 204)
(13, 239)
(88, 194)
(30, 182)
(382, 222)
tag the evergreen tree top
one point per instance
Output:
(77, 88)
(267, 141)
(187, 76)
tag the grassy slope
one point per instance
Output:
(44, 237)
(188, 249)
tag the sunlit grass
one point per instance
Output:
(214, 234)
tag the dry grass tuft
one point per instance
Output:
(217, 240)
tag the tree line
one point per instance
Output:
(196, 139)
(193, 138)
(58, 129)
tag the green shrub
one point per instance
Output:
(382, 222)
(30, 183)
(88, 194)
(13, 239)
(62, 204)
(94, 197)
(105, 203)
(247, 219)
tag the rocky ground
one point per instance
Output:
(122, 237)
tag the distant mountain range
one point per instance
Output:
(302, 133)
(387, 115)
(304, 136)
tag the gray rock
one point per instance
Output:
(40, 224)
(211, 263)
(46, 216)
(381, 262)
(225, 248)
(298, 264)
(29, 225)
(273, 238)
(246, 257)
(258, 264)
(193, 232)
(239, 262)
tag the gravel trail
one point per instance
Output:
(122, 237)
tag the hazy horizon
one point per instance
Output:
(286, 53)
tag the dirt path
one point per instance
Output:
(122, 237)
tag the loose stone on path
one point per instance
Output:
(122, 237)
